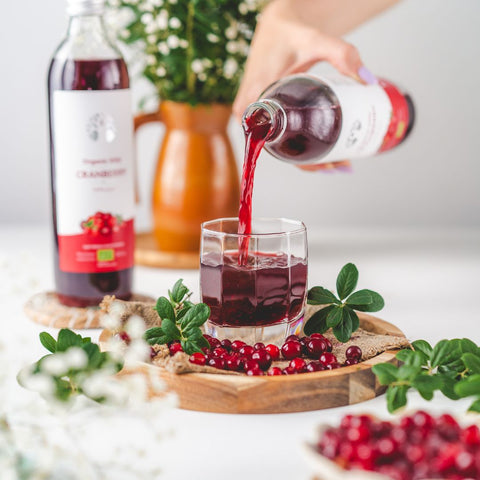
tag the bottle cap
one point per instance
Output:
(85, 7)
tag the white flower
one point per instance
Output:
(151, 38)
(231, 31)
(232, 47)
(183, 43)
(41, 383)
(135, 327)
(157, 3)
(125, 33)
(197, 66)
(146, 18)
(174, 22)
(110, 322)
(151, 60)
(150, 28)
(76, 358)
(161, 71)
(55, 365)
(163, 48)
(173, 2)
(173, 41)
(212, 38)
(202, 77)
(137, 351)
(243, 8)
(230, 68)
(207, 62)
(162, 19)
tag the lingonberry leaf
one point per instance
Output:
(321, 296)
(153, 332)
(396, 397)
(468, 386)
(347, 280)
(467, 346)
(48, 342)
(67, 339)
(411, 357)
(472, 362)
(376, 304)
(475, 406)
(385, 372)
(404, 355)
(360, 297)
(196, 315)
(408, 372)
(164, 309)
(343, 331)
(170, 329)
(424, 347)
(448, 385)
(317, 323)
(353, 317)
(179, 291)
(95, 357)
(335, 316)
(426, 385)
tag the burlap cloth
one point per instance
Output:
(371, 344)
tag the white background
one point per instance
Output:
(431, 47)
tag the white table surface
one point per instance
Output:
(430, 282)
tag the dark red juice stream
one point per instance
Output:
(82, 289)
(257, 127)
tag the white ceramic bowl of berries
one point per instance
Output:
(417, 446)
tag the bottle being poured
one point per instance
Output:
(309, 120)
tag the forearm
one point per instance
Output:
(333, 17)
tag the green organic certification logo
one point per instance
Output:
(106, 255)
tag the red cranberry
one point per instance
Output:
(423, 420)
(175, 347)
(263, 358)
(327, 358)
(197, 358)
(353, 353)
(351, 361)
(216, 362)
(219, 352)
(226, 344)
(315, 347)
(153, 353)
(329, 344)
(415, 453)
(274, 371)
(233, 363)
(465, 462)
(273, 350)
(386, 447)
(250, 365)
(298, 364)
(317, 335)
(448, 427)
(214, 343)
(251, 372)
(237, 345)
(315, 367)
(289, 371)
(291, 349)
(292, 337)
(333, 366)
(246, 350)
(359, 433)
(471, 436)
(125, 337)
(259, 346)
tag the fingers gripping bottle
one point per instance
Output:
(92, 175)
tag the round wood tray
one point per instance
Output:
(148, 255)
(209, 392)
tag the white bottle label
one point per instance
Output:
(94, 179)
(366, 115)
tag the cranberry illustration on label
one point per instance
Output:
(104, 224)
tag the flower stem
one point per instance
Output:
(190, 51)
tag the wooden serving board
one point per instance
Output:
(219, 393)
(148, 255)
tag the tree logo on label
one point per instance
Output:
(101, 126)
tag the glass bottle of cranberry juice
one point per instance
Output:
(92, 175)
(315, 119)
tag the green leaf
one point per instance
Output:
(160, 340)
(196, 316)
(404, 355)
(353, 317)
(170, 329)
(475, 406)
(361, 297)
(375, 305)
(385, 372)
(95, 358)
(413, 358)
(317, 323)
(321, 296)
(343, 331)
(335, 316)
(472, 362)
(67, 339)
(347, 280)
(181, 313)
(190, 347)
(423, 346)
(48, 342)
(468, 386)
(164, 309)
(396, 397)
(408, 372)
(179, 291)
(467, 346)
(445, 352)
(426, 385)
(153, 332)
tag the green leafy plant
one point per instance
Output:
(339, 312)
(193, 50)
(72, 360)
(181, 320)
(451, 367)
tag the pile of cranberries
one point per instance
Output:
(419, 446)
(101, 223)
(237, 356)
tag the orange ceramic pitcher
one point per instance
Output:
(196, 177)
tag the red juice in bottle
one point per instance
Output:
(92, 175)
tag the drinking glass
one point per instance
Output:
(258, 296)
